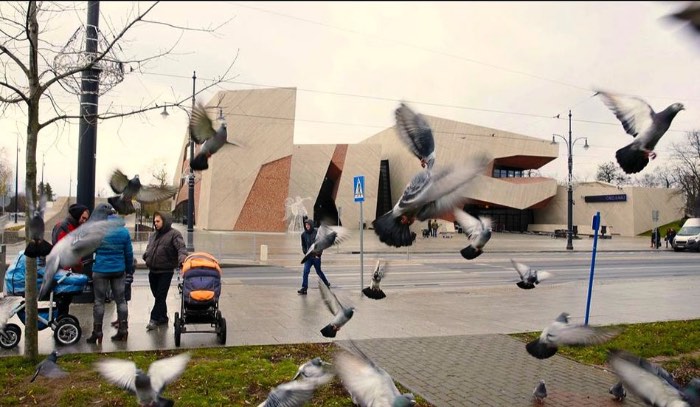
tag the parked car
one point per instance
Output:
(688, 238)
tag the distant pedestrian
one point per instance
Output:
(308, 236)
(435, 227)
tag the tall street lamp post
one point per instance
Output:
(17, 178)
(570, 183)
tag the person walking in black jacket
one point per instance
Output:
(308, 236)
(164, 253)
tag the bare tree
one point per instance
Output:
(611, 173)
(647, 180)
(28, 82)
(685, 169)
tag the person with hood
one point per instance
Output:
(113, 263)
(77, 215)
(308, 236)
(164, 253)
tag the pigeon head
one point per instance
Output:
(348, 312)
(53, 356)
(678, 107)
(404, 400)
(563, 317)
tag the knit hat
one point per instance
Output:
(76, 210)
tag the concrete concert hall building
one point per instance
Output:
(252, 188)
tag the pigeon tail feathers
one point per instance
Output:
(525, 285)
(37, 249)
(392, 232)
(470, 252)
(200, 162)
(122, 206)
(328, 331)
(373, 294)
(540, 350)
(631, 159)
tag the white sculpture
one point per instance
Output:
(295, 211)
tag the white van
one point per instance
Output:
(688, 237)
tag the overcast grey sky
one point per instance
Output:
(507, 65)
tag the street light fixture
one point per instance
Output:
(221, 118)
(164, 114)
(570, 186)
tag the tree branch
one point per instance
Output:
(15, 59)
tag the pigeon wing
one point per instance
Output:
(201, 128)
(331, 301)
(522, 269)
(153, 193)
(581, 335)
(639, 379)
(471, 225)
(634, 113)
(51, 370)
(413, 193)
(341, 234)
(365, 382)
(166, 370)
(121, 373)
(297, 393)
(7, 305)
(415, 132)
(448, 190)
(118, 181)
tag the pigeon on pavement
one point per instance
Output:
(618, 391)
(562, 333)
(37, 246)
(147, 387)
(529, 277)
(342, 315)
(326, 236)
(313, 368)
(367, 383)
(374, 291)
(49, 368)
(415, 132)
(430, 194)
(202, 131)
(80, 242)
(641, 122)
(540, 392)
(651, 383)
(295, 393)
(477, 229)
(130, 189)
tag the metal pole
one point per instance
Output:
(362, 251)
(596, 226)
(43, 163)
(16, 178)
(570, 204)
(87, 148)
(190, 183)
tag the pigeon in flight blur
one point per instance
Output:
(326, 236)
(430, 194)
(618, 391)
(367, 383)
(540, 392)
(529, 277)
(313, 368)
(147, 387)
(416, 133)
(477, 229)
(7, 306)
(562, 333)
(690, 14)
(202, 131)
(37, 246)
(49, 368)
(641, 122)
(295, 393)
(374, 291)
(130, 189)
(342, 314)
(651, 383)
(80, 242)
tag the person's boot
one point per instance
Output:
(122, 332)
(96, 336)
(302, 291)
(115, 324)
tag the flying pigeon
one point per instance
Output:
(295, 393)
(367, 383)
(374, 291)
(49, 368)
(130, 189)
(540, 392)
(651, 383)
(562, 333)
(416, 133)
(618, 391)
(80, 242)
(7, 307)
(689, 14)
(326, 236)
(477, 229)
(202, 131)
(313, 368)
(37, 246)
(342, 314)
(147, 387)
(529, 277)
(430, 194)
(641, 122)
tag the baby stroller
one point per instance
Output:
(199, 294)
(66, 327)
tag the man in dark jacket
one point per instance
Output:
(165, 252)
(308, 236)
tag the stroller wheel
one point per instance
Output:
(10, 338)
(222, 331)
(67, 331)
(178, 329)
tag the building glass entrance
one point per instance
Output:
(503, 219)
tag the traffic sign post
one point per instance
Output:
(595, 226)
(358, 187)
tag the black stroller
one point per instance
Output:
(199, 294)
(66, 328)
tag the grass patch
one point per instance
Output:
(232, 376)
(676, 225)
(675, 345)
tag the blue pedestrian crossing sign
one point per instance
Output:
(359, 188)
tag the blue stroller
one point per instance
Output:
(66, 327)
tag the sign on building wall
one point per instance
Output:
(606, 198)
